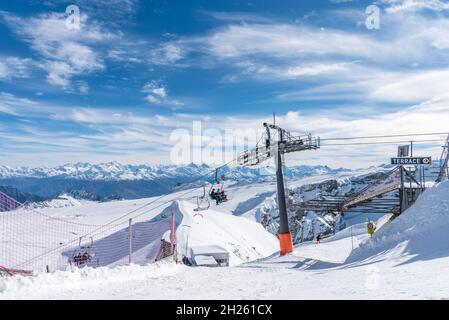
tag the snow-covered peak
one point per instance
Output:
(62, 201)
(115, 171)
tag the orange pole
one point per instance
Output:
(286, 243)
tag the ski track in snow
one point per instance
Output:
(407, 258)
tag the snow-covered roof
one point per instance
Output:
(201, 260)
(208, 250)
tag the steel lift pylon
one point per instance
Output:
(276, 148)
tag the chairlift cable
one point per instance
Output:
(386, 136)
(379, 142)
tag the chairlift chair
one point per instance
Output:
(202, 202)
(220, 196)
(83, 254)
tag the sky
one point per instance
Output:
(129, 78)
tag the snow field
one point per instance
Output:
(406, 258)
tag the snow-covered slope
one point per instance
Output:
(407, 258)
(311, 272)
(52, 231)
(420, 233)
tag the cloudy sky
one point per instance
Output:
(134, 71)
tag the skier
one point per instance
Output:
(318, 239)
(371, 228)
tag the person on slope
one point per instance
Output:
(371, 228)
(318, 239)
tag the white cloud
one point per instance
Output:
(14, 67)
(4, 72)
(113, 11)
(161, 118)
(412, 87)
(237, 16)
(10, 104)
(435, 33)
(316, 69)
(283, 40)
(93, 116)
(114, 135)
(66, 53)
(346, 63)
(395, 6)
(97, 116)
(405, 41)
(59, 73)
(289, 72)
(128, 54)
(350, 65)
(15, 101)
(376, 85)
(156, 88)
(152, 99)
(157, 94)
(83, 87)
(168, 54)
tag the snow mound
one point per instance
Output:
(419, 232)
(63, 201)
(86, 279)
(244, 239)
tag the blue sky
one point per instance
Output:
(136, 70)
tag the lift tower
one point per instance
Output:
(276, 148)
(444, 162)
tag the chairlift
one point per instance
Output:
(202, 202)
(219, 196)
(83, 255)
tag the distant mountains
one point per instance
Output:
(111, 171)
(114, 180)
(20, 196)
(114, 171)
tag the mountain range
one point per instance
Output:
(114, 180)
(114, 171)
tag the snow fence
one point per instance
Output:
(32, 241)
